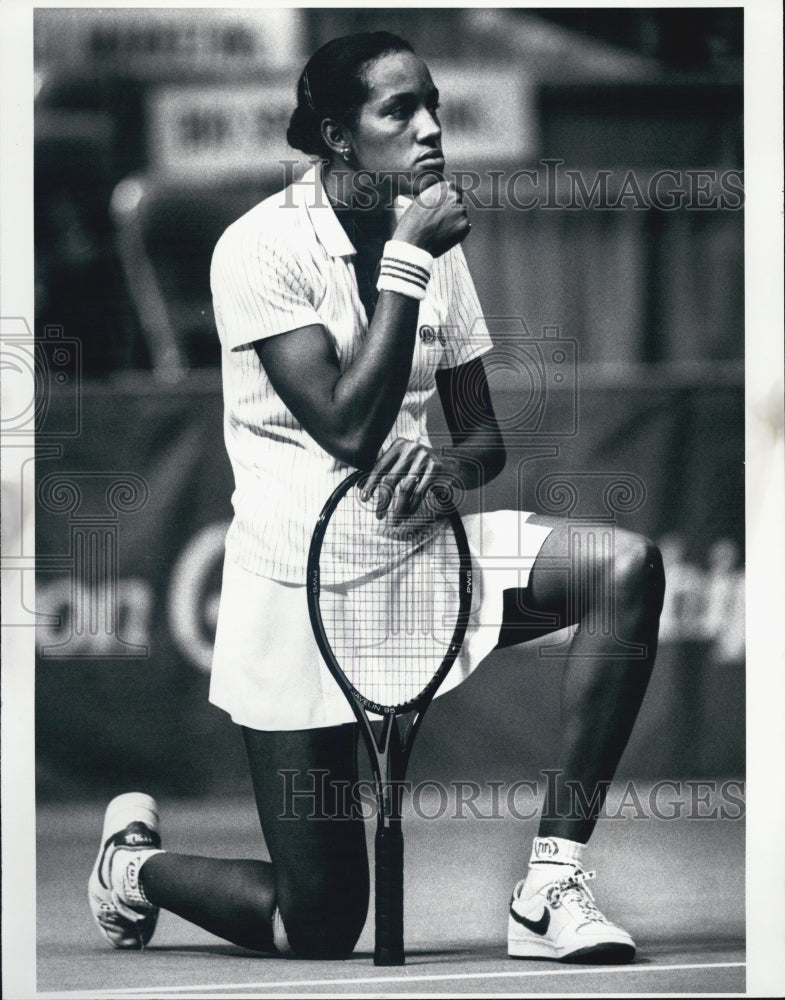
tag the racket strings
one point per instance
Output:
(389, 599)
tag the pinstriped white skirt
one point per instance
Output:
(267, 671)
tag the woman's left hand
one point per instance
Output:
(402, 476)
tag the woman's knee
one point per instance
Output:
(323, 904)
(325, 928)
(637, 572)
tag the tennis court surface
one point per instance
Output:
(676, 885)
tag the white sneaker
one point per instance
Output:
(130, 836)
(560, 921)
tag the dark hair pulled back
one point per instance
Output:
(333, 85)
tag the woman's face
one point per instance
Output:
(397, 129)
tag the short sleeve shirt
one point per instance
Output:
(286, 264)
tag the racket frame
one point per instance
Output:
(388, 752)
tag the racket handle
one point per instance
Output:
(389, 896)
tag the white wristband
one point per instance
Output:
(404, 268)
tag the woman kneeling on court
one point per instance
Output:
(343, 304)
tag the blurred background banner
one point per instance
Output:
(219, 128)
(216, 129)
(158, 43)
(607, 206)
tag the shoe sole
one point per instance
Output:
(606, 953)
(603, 954)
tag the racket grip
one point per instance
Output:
(389, 896)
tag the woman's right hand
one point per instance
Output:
(436, 220)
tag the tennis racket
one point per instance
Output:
(389, 605)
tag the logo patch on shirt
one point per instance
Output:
(429, 334)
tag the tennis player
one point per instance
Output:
(343, 304)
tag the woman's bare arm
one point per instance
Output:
(350, 413)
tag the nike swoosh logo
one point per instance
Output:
(536, 926)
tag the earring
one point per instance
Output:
(345, 153)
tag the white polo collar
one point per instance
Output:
(329, 231)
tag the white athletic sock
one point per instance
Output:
(552, 858)
(556, 851)
(124, 876)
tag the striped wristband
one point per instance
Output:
(404, 268)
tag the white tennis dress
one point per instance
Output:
(286, 264)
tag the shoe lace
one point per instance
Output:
(109, 918)
(573, 889)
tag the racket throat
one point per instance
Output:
(392, 772)
(391, 795)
